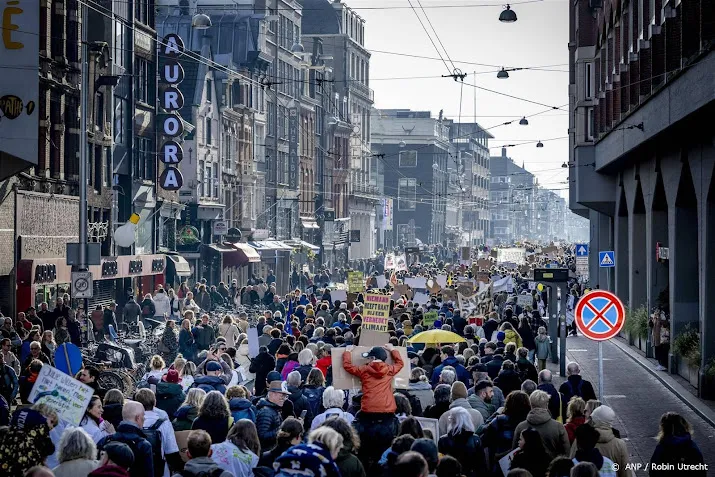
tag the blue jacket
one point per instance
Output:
(210, 383)
(10, 381)
(131, 435)
(462, 373)
(241, 408)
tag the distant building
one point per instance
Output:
(511, 200)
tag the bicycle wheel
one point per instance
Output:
(111, 380)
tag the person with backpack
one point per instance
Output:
(575, 385)
(313, 391)
(148, 308)
(130, 432)
(239, 404)
(160, 434)
(9, 384)
(200, 463)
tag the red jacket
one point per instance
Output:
(323, 364)
(571, 427)
(376, 378)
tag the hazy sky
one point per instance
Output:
(475, 35)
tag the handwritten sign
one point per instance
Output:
(356, 282)
(513, 255)
(430, 318)
(62, 393)
(376, 312)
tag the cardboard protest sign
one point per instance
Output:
(430, 424)
(381, 281)
(401, 263)
(356, 282)
(525, 270)
(420, 298)
(524, 300)
(352, 298)
(390, 261)
(402, 289)
(341, 295)
(429, 318)
(442, 280)
(344, 380)
(549, 250)
(484, 264)
(483, 277)
(253, 342)
(65, 395)
(514, 255)
(376, 312)
(419, 283)
(449, 294)
(433, 286)
(370, 338)
(467, 303)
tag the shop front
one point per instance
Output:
(46, 279)
(275, 255)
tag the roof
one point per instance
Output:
(321, 18)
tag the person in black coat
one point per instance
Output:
(494, 365)
(508, 379)
(300, 402)
(261, 365)
(532, 454)
(676, 446)
(269, 416)
(463, 444)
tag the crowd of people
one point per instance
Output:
(210, 406)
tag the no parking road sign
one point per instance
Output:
(600, 315)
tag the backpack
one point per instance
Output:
(314, 399)
(153, 435)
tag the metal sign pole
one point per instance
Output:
(600, 371)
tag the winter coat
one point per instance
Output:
(612, 447)
(241, 408)
(490, 327)
(557, 403)
(184, 418)
(543, 347)
(572, 425)
(536, 464)
(170, 343)
(527, 337)
(135, 438)
(376, 378)
(477, 403)
(261, 365)
(332, 412)
(203, 300)
(462, 373)
(304, 371)
(162, 307)
(676, 450)
(217, 427)
(109, 470)
(113, 413)
(323, 364)
(498, 437)
(169, 397)
(436, 410)
(556, 440)
(314, 395)
(268, 420)
(300, 404)
(131, 311)
(508, 380)
(148, 308)
(422, 391)
(210, 383)
(243, 362)
(349, 464)
(238, 462)
(577, 386)
(206, 337)
(467, 449)
(291, 364)
(187, 345)
(230, 332)
(494, 365)
(526, 370)
(75, 468)
(510, 336)
(477, 418)
(201, 467)
(273, 346)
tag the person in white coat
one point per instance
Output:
(229, 331)
(92, 421)
(162, 304)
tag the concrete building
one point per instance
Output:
(342, 31)
(472, 144)
(642, 155)
(511, 200)
(413, 151)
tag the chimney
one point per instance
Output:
(503, 152)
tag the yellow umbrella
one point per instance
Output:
(436, 337)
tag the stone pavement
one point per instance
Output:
(638, 398)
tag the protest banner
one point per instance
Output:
(502, 285)
(401, 263)
(376, 312)
(514, 255)
(381, 281)
(484, 264)
(389, 261)
(483, 277)
(442, 281)
(467, 303)
(429, 318)
(356, 282)
(62, 393)
(344, 380)
(524, 300)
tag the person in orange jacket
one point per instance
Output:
(376, 377)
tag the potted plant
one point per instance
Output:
(687, 347)
(707, 380)
(636, 324)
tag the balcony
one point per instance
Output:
(361, 89)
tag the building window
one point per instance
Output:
(207, 181)
(120, 116)
(590, 124)
(207, 133)
(143, 78)
(209, 90)
(201, 178)
(407, 194)
(144, 11)
(215, 182)
(588, 78)
(408, 158)
(144, 158)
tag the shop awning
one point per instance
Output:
(270, 245)
(249, 253)
(309, 223)
(219, 248)
(181, 266)
(297, 243)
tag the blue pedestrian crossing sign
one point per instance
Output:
(582, 250)
(607, 259)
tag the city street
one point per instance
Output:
(637, 397)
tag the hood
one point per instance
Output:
(510, 334)
(293, 357)
(507, 373)
(210, 380)
(461, 402)
(451, 361)
(172, 389)
(266, 403)
(109, 470)
(377, 368)
(199, 467)
(420, 386)
(185, 412)
(537, 417)
(677, 440)
(242, 350)
(605, 434)
(239, 404)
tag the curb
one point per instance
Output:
(673, 386)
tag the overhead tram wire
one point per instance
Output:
(429, 36)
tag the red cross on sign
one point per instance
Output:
(600, 315)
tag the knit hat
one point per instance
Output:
(273, 376)
(172, 376)
(307, 460)
(213, 366)
(427, 449)
(603, 415)
(120, 453)
(459, 390)
(500, 336)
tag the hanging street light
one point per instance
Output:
(201, 21)
(524, 121)
(502, 74)
(539, 144)
(507, 15)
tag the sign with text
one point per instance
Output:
(429, 319)
(171, 100)
(344, 380)
(376, 312)
(513, 255)
(356, 282)
(68, 397)
(293, 158)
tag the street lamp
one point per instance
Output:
(524, 121)
(402, 144)
(297, 48)
(507, 15)
(201, 21)
(502, 74)
(539, 144)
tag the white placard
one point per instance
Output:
(62, 393)
(524, 300)
(252, 342)
(514, 255)
(417, 283)
(420, 298)
(381, 281)
(341, 295)
(442, 280)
